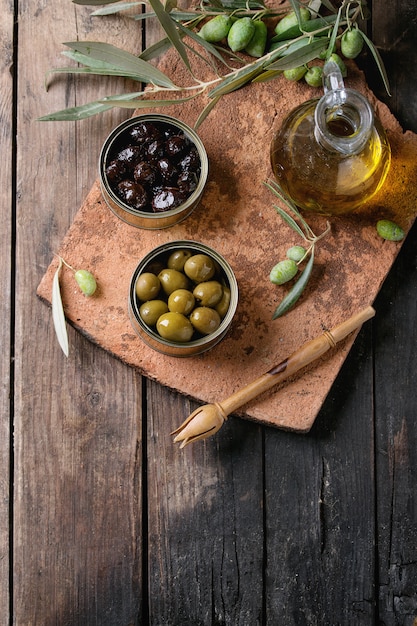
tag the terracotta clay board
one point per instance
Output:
(237, 218)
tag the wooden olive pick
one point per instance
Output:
(208, 419)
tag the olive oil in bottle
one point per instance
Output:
(331, 154)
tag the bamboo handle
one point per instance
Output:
(304, 355)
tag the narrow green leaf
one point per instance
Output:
(205, 112)
(116, 7)
(203, 43)
(379, 62)
(145, 104)
(294, 294)
(122, 60)
(169, 26)
(299, 57)
(58, 315)
(333, 35)
(73, 114)
(157, 49)
(88, 110)
(290, 221)
(95, 72)
(237, 79)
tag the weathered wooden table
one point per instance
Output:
(102, 520)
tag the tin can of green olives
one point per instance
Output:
(153, 171)
(183, 296)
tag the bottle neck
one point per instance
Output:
(343, 121)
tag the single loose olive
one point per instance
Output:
(171, 280)
(389, 230)
(175, 327)
(216, 29)
(205, 320)
(283, 271)
(256, 46)
(152, 310)
(181, 301)
(296, 253)
(177, 259)
(296, 73)
(200, 267)
(351, 43)
(86, 282)
(240, 34)
(147, 286)
(208, 293)
(314, 76)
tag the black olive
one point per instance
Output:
(129, 155)
(144, 173)
(116, 171)
(166, 199)
(167, 169)
(175, 145)
(132, 194)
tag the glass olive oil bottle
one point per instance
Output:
(331, 154)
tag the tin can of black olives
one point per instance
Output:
(153, 171)
(183, 296)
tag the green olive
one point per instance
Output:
(351, 43)
(200, 267)
(240, 34)
(256, 46)
(342, 66)
(178, 258)
(283, 271)
(181, 301)
(223, 306)
(314, 76)
(86, 282)
(295, 73)
(205, 320)
(171, 280)
(389, 230)
(216, 29)
(147, 286)
(208, 293)
(296, 253)
(290, 19)
(153, 309)
(174, 327)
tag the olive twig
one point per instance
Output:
(287, 269)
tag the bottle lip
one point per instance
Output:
(352, 107)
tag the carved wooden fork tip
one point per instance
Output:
(202, 423)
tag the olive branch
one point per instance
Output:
(306, 42)
(295, 220)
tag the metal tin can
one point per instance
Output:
(148, 219)
(157, 258)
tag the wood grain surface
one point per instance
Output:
(102, 520)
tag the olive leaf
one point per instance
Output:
(58, 315)
(123, 61)
(378, 61)
(170, 28)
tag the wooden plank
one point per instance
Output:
(320, 508)
(205, 520)
(396, 441)
(77, 521)
(6, 251)
(395, 360)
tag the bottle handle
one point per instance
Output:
(332, 77)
